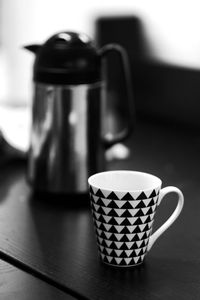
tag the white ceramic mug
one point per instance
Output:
(123, 205)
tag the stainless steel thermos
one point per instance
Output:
(67, 145)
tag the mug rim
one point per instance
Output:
(154, 177)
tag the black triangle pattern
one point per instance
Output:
(148, 219)
(127, 205)
(123, 262)
(127, 196)
(113, 213)
(142, 196)
(100, 210)
(125, 230)
(113, 221)
(100, 202)
(139, 213)
(113, 204)
(141, 204)
(113, 195)
(151, 203)
(129, 229)
(99, 193)
(153, 194)
(91, 190)
(126, 214)
(123, 226)
(121, 212)
(126, 222)
(123, 221)
(120, 237)
(101, 218)
(119, 204)
(122, 253)
(122, 245)
(137, 229)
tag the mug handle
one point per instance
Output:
(172, 218)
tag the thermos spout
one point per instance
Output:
(32, 48)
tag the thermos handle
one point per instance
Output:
(109, 138)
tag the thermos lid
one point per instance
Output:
(66, 58)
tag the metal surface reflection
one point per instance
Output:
(65, 144)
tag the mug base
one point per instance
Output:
(122, 266)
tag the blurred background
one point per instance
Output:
(161, 37)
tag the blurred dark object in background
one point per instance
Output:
(125, 30)
(163, 93)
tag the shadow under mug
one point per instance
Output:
(123, 206)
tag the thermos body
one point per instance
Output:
(70, 91)
(66, 146)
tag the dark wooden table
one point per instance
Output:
(48, 248)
